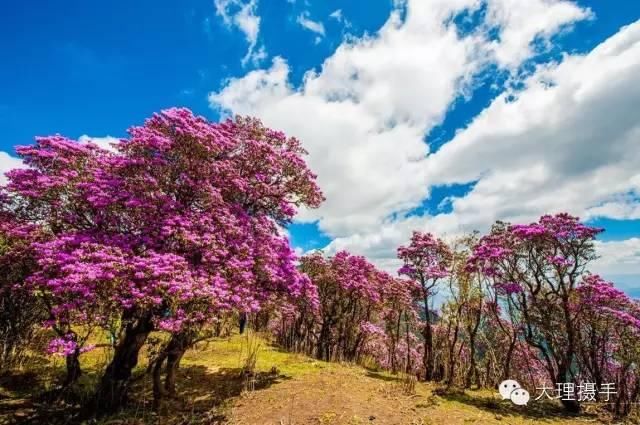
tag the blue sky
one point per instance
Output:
(98, 67)
(391, 108)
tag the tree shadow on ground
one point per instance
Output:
(202, 395)
(20, 382)
(535, 410)
(22, 392)
(201, 387)
(35, 396)
(377, 375)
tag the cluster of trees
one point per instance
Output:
(517, 303)
(177, 228)
(579, 327)
(358, 314)
(173, 228)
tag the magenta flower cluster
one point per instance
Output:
(180, 222)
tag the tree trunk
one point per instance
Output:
(506, 370)
(472, 372)
(427, 359)
(176, 348)
(112, 391)
(172, 354)
(323, 351)
(73, 368)
(408, 366)
(394, 345)
(452, 357)
(158, 389)
(173, 363)
(571, 406)
(242, 322)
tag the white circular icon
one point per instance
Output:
(506, 387)
(520, 396)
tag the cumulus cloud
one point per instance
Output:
(618, 258)
(620, 261)
(242, 14)
(621, 206)
(521, 23)
(568, 140)
(364, 116)
(565, 140)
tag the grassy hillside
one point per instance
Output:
(285, 389)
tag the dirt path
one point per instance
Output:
(354, 396)
(290, 389)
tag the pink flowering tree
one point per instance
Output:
(358, 313)
(463, 314)
(427, 260)
(348, 295)
(608, 330)
(44, 197)
(174, 228)
(499, 305)
(537, 268)
(401, 321)
(20, 313)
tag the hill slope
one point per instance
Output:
(293, 389)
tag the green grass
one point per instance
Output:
(230, 353)
(212, 388)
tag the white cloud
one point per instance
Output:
(103, 142)
(618, 258)
(620, 262)
(242, 14)
(521, 22)
(359, 117)
(8, 163)
(567, 140)
(314, 26)
(621, 206)
(337, 15)
(364, 116)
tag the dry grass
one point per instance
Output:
(285, 389)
